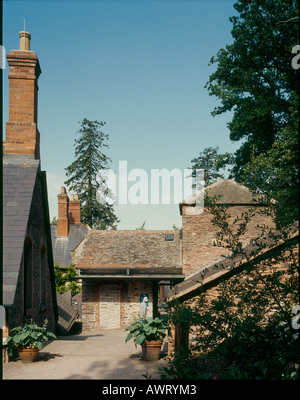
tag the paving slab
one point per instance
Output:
(97, 355)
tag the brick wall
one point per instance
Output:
(74, 211)
(113, 305)
(213, 290)
(198, 237)
(22, 135)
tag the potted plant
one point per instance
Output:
(28, 340)
(149, 334)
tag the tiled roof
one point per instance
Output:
(230, 192)
(231, 264)
(19, 176)
(148, 250)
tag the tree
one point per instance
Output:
(84, 176)
(254, 78)
(243, 330)
(211, 162)
(276, 173)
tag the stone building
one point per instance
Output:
(199, 234)
(28, 276)
(117, 268)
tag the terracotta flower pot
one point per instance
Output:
(151, 350)
(28, 355)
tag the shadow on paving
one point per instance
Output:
(127, 369)
(101, 355)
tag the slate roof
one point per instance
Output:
(62, 246)
(19, 176)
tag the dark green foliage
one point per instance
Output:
(84, 176)
(150, 329)
(254, 78)
(247, 326)
(29, 336)
(64, 280)
(208, 161)
(276, 173)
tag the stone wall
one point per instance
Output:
(199, 237)
(113, 304)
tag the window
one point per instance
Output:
(43, 276)
(27, 254)
(169, 237)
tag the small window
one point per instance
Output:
(28, 271)
(43, 272)
(169, 237)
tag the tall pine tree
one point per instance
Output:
(210, 161)
(83, 176)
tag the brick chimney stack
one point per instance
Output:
(63, 211)
(74, 210)
(22, 135)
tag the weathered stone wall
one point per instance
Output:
(113, 304)
(199, 237)
(130, 304)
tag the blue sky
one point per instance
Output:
(140, 66)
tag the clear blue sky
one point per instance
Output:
(141, 67)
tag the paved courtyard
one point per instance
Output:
(97, 355)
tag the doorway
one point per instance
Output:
(109, 307)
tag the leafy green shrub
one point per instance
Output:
(28, 336)
(64, 279)
(149, 329)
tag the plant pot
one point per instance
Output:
(27, 354)
(151, 350)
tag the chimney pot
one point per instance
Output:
(25, 40)
(74, 210)
(63, 190)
